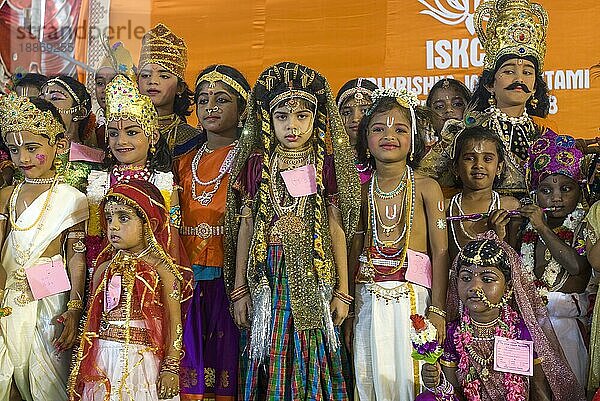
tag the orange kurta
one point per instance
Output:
(205, 250)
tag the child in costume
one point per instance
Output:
(211, 337)
(479, 163)
(74, 104)
(136, 151)
(292, 209)
(490, 295)
(132, 341)
(161, 76)
(553, 245)
(41, 223)
(403, 253)
(116, 61)
(353, 101)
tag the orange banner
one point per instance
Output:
(399, 43)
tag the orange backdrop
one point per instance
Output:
(397, 42)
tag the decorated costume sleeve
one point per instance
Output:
(330, 182)
(450, 356)
(249, 178)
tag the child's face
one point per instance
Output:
(478, 164)
(128, 142)
(447, 103)
(293, 123)
(558, 191)
(31, 153)
(103, 76)
(159, 84)
(124, 228)
(472, 279)
(514, 83)
(217, 108)
(61, 99)
(388, 136)
(352, 111)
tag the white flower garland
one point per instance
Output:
(553, 268)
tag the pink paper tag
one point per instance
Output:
(48, 278)
(301, 181)
(79, 152)
(513, 356)
(112, 295)
(419, 269)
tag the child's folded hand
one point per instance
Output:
(68, 337)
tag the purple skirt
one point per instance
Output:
(211, 342)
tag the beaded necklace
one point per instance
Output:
(126, 172)
(13, 206)
(206, 196)
(456, 201)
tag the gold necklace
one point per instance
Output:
(13, 207)
(294, 158)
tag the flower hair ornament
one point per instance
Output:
(404, 98)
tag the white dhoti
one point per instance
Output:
(132, 373)
(27, 353)
(385, 370)
(564, 311)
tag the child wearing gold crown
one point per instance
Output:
(40, 222)
(553, 244)
(136, 152)
(403, 254)
(161, 76)
(292, 209)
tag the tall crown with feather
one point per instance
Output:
(18, 114)
(124, 101)
(161, 46)
(515, 27)
(117, 58)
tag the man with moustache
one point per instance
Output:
(511, 98)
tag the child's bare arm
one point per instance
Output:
(435, 214)
(75, 259)
(339, 309)
(4, 198)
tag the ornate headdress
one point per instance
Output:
(215, 76)
(482, 252)
(123, 100)
(84, 104)
(514, 27)
(119, 59)
(17, 114)
(358, 92)
(406, 99)
(553, 154)
(161, 46)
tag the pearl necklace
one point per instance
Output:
(206, 196)
(13, 206)
(125, 173)
(39, 181)
(457, 201)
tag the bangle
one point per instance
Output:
(178, 343)
(171, 365)
(75, 304)
(444, 391)
(239, 293)
(76, 235)
(437, 311)
(345, 298)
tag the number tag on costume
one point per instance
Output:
(419, 269)
(48, 278)
(301, 181)
(79, 152)
(513, 356)
(112, 295)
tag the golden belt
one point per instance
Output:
(113, 332)
(202, 230)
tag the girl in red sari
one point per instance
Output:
(132, 340)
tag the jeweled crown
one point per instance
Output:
(124, 101)
(17, 114)
(515, 27)
(161, 46)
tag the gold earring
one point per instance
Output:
(534, 103)
(492, 99)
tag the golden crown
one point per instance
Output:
(18, 114)
(161, 46)
(124, 101)
(119, 59)
(514, 27)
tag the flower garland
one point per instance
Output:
(464, 337)
(549, 280)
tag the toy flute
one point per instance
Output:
(479, 216)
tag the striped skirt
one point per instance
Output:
(300, 365)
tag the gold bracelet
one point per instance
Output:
(437, 311)
(79, 247)
(76, 235)
(178, 343)
(345, 298)
(239, 293)
(75, 304)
